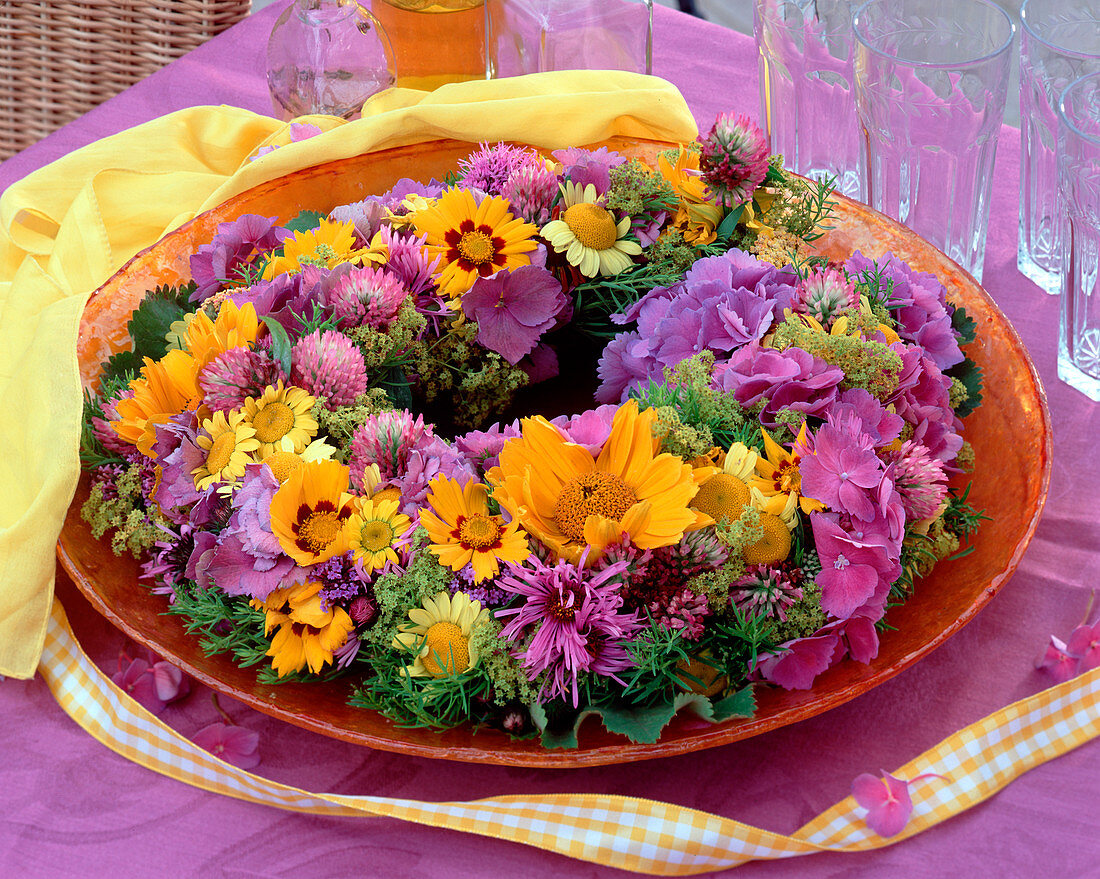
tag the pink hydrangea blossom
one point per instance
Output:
(514, 309)
(886, 800)
(231, 743)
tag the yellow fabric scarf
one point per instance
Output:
(68, 227)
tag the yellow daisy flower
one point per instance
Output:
(229, 442)
(282, 464)
(373, 530)
(328, 245)
(569, 500)
(587, 233)
(439, 636)
(281, 419)
(464, 533)
(724, 495)
(307, 634)
(778, 479)
(473, 240)
(309, 511)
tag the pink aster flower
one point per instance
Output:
(513, 309)
(237, 374)
(920, 480)
(408, 260)
(575, 616)
(329, 365)
(490, 167)
(365, 296)
(826, 292)
(886, 800)
(231, 743)
(385, 439)
(733, 159)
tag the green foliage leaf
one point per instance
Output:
(643, 725)
(305, 221)
(963, 324)
(280, 342)
(970, 374)
(726, 227)
(121, 367)
(149, 326)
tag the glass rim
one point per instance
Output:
(1057, 47)
(1064, 119)
(938, 65)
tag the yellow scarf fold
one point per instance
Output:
(66, 228)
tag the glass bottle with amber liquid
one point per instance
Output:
(434, 41)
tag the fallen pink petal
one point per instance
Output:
(1084, 645)
(886, 800)
(1058, 663)
(231, 743)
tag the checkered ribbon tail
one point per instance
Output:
(625, 832)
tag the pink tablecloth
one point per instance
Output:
(72, 808)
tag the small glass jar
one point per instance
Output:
(532, 36)
(327, 56)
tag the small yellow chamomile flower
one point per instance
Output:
(439, 636)
(228, 441)
(589, 235)
(372, 530)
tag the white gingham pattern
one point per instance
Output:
(625, 832)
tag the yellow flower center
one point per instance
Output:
(723, 496)
(478, 531)
(221, 452)
(389, 493)
(376, 535)
(774, 546)
(476, 247)
(319, 529)
(282, 464)
(591, 494)
(447, 645)
(273, 422)
(592, 225)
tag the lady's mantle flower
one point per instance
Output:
(514, 309)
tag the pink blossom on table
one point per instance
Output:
(583, 166)
(1057, 662)
(150, 680)
(842, 470)
(1084, 643)
(789, 379)
(796, 664)
(231, 743)
(886, 800)
(513, 309)
(589, 429)
(299, 131)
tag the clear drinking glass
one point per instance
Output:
(1078, 159)
(807, 99)
(532, 36)
(434, 41)
(326, 56)
(931, 84)
(1059, 42)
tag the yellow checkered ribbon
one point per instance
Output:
(625, 832)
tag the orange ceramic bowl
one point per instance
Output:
(1010, 434)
